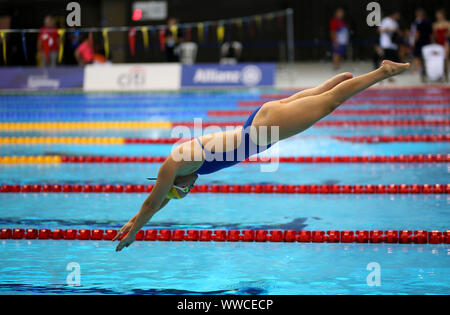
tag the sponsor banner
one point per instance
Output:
(238, 75)
(132, 77)
(33, 78)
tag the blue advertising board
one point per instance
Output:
(33, 78)
(237, 75)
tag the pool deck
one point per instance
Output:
(308, 74)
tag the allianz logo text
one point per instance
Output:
(249, 75)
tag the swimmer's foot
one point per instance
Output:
(391, 68)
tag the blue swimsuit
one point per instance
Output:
(215, 161)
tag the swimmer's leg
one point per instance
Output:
(296, 116)
(326, 86)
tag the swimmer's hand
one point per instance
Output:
(124, 230)
(126, 241)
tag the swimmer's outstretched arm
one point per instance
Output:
(154, 202)
(126, 228)
(172, 168)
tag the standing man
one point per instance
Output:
(389, 34)
(48, 42)
(172, 39)
(421, 31)
(339, 36)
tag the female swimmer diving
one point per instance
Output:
(291, 116)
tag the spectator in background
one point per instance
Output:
(339, 36)
(172, 41)
(421, 31)
(389, 36)
(84, 54)
(441, 30)
(434, 60)
(71, 43)
(404, 48)
(378, 54)
(48, 43)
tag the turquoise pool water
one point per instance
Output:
(39, 267)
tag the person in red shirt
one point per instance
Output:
(441, 29)
(84, 54)
(48, 42)
(339, 36)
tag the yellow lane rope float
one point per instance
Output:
(62, 140)
(54, 159)
(84, 125)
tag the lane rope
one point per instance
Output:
(288, 236)
(62, 140)
(435, 92)
(399, 138)
(66, 140)
(84, 125)
(99, 114)
(335, 123)
(122, 140)
(11, 116)
(9, 126)
(369, 101)
(235, 189)
(405, 111)
(57, 159)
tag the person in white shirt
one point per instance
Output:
(434, 57)
(389, 32)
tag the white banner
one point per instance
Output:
(132, 77)
(151, 10)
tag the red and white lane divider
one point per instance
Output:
(400, 138)
(236, 189)
(334, 123)
(411, 102)
(154, 140)
(332, 236)
(367, 139)
(401, 111)
(429, 158)
(443, 93)
(115, 141)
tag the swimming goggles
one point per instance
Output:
(173, 192)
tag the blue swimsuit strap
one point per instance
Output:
(244, 140)
(198, 140)
(245, 135)
(211, 164)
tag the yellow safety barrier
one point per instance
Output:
(85, 125)
(61, 140)
(30, 159)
